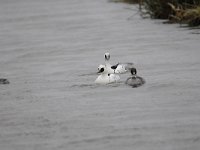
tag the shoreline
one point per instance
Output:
(183, 12)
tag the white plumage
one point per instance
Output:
(105, 77)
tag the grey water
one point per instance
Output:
(50, 51)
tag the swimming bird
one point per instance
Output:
(4, 81)
(105, 77)
(119, 68)
(134, 80)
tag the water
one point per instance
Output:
(50, 51)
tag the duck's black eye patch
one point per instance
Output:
(102, 70)
(107, 57)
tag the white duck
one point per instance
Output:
(105, 77)
(118, 68)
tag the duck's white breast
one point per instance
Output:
(105, 79)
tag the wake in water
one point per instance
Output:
(88, 74)
(93, 85)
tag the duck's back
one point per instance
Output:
(135, 81)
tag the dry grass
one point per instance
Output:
(190, 16)
(179, 11)
(127, 1)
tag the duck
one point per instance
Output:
(105, 77)
(134, 80)
(119, 68)
(4, 81)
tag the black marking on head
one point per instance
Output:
(107, 56)
(115, 66)
(109, 74)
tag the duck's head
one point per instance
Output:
(107, 56)
(101, 69)
(133, 71)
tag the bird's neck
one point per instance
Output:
(107, 63)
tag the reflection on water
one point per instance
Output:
(97, 85)
(83, 85)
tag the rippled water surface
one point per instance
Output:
(50, 50)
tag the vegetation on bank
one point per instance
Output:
(127, 1)
(179, 11)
